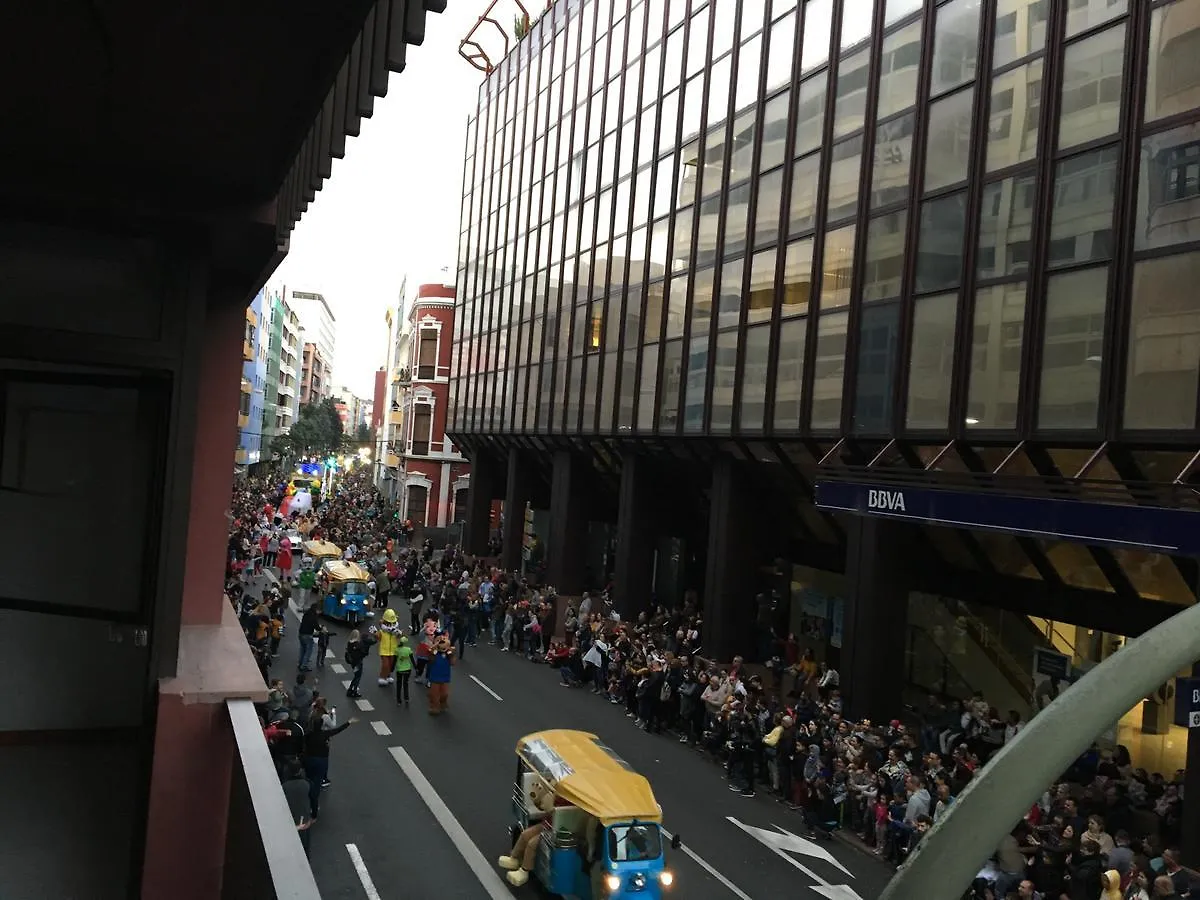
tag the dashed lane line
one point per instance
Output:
(365, 705)
(364, 876)
(381, 728)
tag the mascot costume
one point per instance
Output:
(388, 634)
(519, 863)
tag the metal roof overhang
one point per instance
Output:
(219, 120)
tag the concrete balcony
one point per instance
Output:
(247, 351)
(243, 421)
(391, 460)
(241, 457)
(395, 417)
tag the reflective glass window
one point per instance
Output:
(895, 10)
(1085, 14)
(1081, 223)
(648, 381)
(729, 295)
(689, 174)
(696, 381)
(797, 277)
(857, 19)
(736, 219)
(766, 213)
(996, 340)
(1168, 196)
(668, 123)
(697, 54)
(718, 91)
(1005, 227)
(1164, 344)
(681, 247)
(761, 300)
(779, 59)
(891, 165)
(949, 140)
(1013, 115)
(1072, 349)
(1091, 92)
(693, 108)
(789, 373)
(829, 370)
(672, 378)
(741, 158)
(878, 335)
(931, 363)
(1174, 74)
(775, 131)
(837, 268)
(955, 45)
(724, 380)
(676, 306)
(724, 19)
(1020, 30)
(749, 60)
(844, 177)
(810, 114)
(899, 69)
(757, 356)
(850, 102)
(651, 72)
(705, 250)
(883, 267)
(664, 186)
(940, 243)
(673, 60)
(818, 31)
(702, 302)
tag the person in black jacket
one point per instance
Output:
(321, 728)
(309, 623)
(358, 647)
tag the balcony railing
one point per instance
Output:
(264, 857)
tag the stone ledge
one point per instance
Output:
(215, 664)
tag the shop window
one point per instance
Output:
(418, 500)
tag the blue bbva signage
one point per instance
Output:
(1161, 529)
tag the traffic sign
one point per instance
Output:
(1187, 702)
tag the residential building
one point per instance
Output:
(435, 473)
(388, 471)
(379, 400)
(315, 374)
(316, 321)
(357, 411)
(837, 302)
(154, 202)
(255, 348)
(283, 357)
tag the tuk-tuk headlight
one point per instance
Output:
(666, 878)
(612, 882)
(638, 881)
(343, 601)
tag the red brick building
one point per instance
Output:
(435, 472)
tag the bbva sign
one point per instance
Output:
(892, 501)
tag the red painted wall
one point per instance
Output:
(379, 400)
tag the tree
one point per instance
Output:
(317, 431)
(521, 26)
(364, 435)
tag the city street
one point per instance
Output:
(420, 806)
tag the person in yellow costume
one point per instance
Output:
(388, 634)
(519, 863)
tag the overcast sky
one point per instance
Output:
(392, 205)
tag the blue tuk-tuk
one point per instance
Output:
(603, 838)
(346, 589)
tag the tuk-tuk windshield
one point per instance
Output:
(634, 843)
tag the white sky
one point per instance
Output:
(392, 205)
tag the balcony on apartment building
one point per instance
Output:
(263, 853)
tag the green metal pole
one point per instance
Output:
(944, 863)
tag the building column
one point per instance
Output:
(634, 567)
(480, 494)
(733, 525)
(876, 617)
(568, 526)
(516, 496)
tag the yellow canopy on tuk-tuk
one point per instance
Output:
(322, 548)
(586, 773)
(345, 571)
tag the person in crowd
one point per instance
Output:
(322, 726)
(404, 669)
(307, 634)
(358, 646)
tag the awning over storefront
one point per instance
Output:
(1158, 528)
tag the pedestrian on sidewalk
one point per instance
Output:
(404, 669)
(440, 665)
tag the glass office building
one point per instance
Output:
(954, 242)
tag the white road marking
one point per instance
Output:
(786, 857)
(492, 883)
(346, 684)
(329, 654)
(365, 705)
(381, 728)
(733, 888)
(836, 891)
(791, 843)
(486, 688)
(363, 875)
(337, 667)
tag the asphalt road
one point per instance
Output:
(420, 806)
